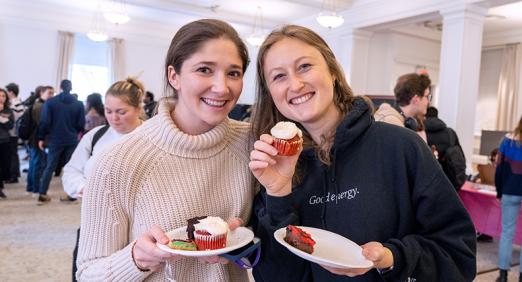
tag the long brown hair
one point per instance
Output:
(517, 133)
(189, 39)
(266, 115)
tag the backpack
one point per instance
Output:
(98, 135)
(25, 125)
(453, 162)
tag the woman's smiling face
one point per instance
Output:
(208, 86)
(299, 81)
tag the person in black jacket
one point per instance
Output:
(441, 138)
(374, 183)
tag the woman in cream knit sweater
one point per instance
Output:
(189, 160)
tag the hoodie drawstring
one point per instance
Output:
(329, 180)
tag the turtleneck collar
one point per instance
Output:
(164, 133)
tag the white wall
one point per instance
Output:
(28, 57)
(145, 61)
(393, 54)
(486, 115)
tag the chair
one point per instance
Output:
(486, 174)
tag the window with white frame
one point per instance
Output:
(90, 68)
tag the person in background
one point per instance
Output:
(508, 181)
(18, 109)
(150, 104)
(123, 111)
(37, 157)
(446, 143)
(61, 120)
(94, 108)
(372, 182)
(412, 94)
(188, 160)
(6, 124)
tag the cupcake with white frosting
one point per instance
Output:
(210, 233)
(287, 138)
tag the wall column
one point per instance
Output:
(353, 49)
(460, 69)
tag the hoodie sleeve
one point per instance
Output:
(45, 122)
(442, 245)
(276, 263)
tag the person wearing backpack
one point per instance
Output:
(450, 154)
(27, 129)
(123, 112)
(508, 181)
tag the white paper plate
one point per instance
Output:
(235, 240)
(331, 249)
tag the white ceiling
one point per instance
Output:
(241, 13)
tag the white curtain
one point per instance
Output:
(65, 55)
(508, 87)
(116, 59)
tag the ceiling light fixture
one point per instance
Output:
(117, 13)
(328, 16)
(257, 37)
(97, 31)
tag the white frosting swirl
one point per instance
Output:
(285, 130)
(213, 225)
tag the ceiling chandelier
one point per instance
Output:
(257, 37)
(97, 31)
(328, 16)
(116, 13)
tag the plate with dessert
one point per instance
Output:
(206, 236)
(322, 247)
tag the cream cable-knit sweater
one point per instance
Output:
(160, 175)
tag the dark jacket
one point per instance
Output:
(508, 174)
(5, 127)
(61, 119)
(438, 134)
(383, 185)
(36, 109)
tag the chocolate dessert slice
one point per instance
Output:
(299, 239)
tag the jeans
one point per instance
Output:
(37, 160)
(510, 210)
(53, 157)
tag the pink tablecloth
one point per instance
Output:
(484, 209)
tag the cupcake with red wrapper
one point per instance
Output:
(210, 233)
(287, 138)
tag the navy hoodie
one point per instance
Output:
(383, 185)
(61, 120)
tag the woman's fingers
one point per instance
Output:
(258, 156)
(234, 223)
(159, 235)
(264, 147)
(145, 252)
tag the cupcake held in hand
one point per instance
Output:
(287, 138)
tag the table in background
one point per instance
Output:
(485, 211)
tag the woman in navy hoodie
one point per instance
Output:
(374, 183)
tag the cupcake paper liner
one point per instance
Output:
(210, 242)
(287, 147)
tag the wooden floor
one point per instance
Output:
(36, 242)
